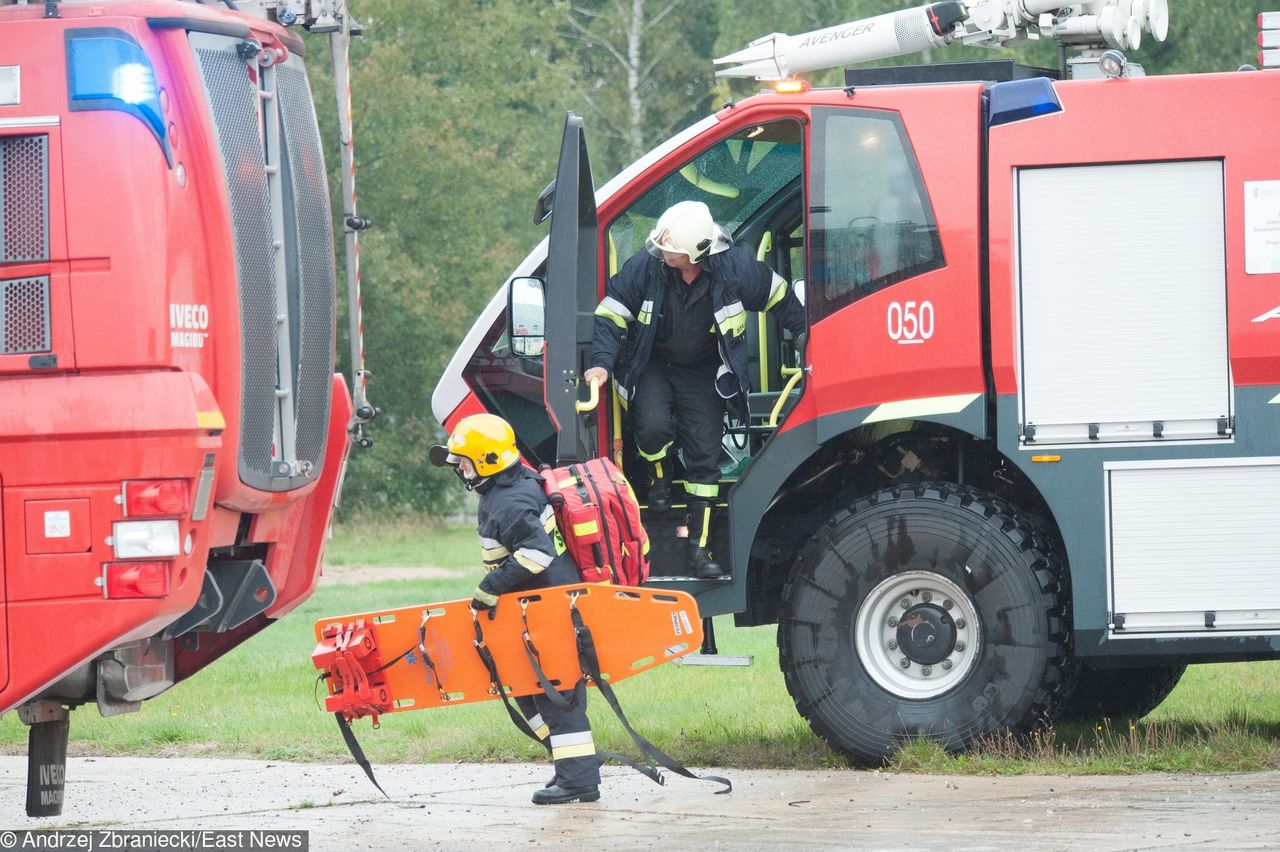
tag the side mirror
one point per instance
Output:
(542, 209)
(525, 315)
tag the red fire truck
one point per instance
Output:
(172, 432)
(1026, 464)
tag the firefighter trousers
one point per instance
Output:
(678, 403)
(568, 732)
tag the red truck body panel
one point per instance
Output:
(144, 317)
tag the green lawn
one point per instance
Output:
(260, 701)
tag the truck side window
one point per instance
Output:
(511, 387)
(870, 222)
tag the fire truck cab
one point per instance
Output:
(1026, 464)
(172, 431)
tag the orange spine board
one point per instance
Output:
(634, 630)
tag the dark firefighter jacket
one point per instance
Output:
(520, 541)
(625, 331)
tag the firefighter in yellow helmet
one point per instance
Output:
(523, 550)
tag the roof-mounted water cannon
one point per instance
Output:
(316, 16)
(1117, 24)
(1094, 25)
(778, 56)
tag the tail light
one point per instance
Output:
(136, 579)
(155, 497)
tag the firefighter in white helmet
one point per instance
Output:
(672, 331)
(522, 550)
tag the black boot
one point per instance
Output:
(701, 518)
(659, 495)
(557, 795)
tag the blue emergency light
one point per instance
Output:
(1017, 100)
(107, 69)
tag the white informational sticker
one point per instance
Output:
(684, 619)
(675, 623)
(57, 524)
(1261, 226)
(10, 85)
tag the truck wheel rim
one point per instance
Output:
(917, 634)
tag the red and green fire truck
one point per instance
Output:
(1025, 463)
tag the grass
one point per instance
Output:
(259, 701)
(404, 543)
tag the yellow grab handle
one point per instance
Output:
(782, 397)
(593, 399)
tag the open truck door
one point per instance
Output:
(570, 292)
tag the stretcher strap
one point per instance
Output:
(353, 746)
(356, 752)
(495, 683)
(427, 661)
(535, 662)
(590, 664)
(579, 694)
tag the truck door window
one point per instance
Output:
(511, 387)
(871, 224)
(736, 177)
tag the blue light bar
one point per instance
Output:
(107, 69)
(1018, 100)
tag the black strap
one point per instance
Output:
(356, 752)
(584, 475)
(590, 664)
(353, 746)
(535, 661)
(579, 694)
(495, 683)
(427, 661)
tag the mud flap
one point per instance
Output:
(46, 757)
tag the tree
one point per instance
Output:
(641, 67)
(453, 140)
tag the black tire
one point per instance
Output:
(1009, 670)
(1126, 693)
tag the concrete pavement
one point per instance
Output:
(461, 806)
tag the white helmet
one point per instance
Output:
(686, 227)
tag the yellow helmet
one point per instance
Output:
(486, 439)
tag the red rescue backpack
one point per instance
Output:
(600, 521)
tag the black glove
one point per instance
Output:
(482, 600)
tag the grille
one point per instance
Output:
(312, 289)
(24, 316)
(233, 98)
(24, 198)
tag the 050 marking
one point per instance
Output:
(910, 322)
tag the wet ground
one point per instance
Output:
(465, 806)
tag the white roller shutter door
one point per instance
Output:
(1194, 545)
(1122, 302)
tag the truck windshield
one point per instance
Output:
(735, 178)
